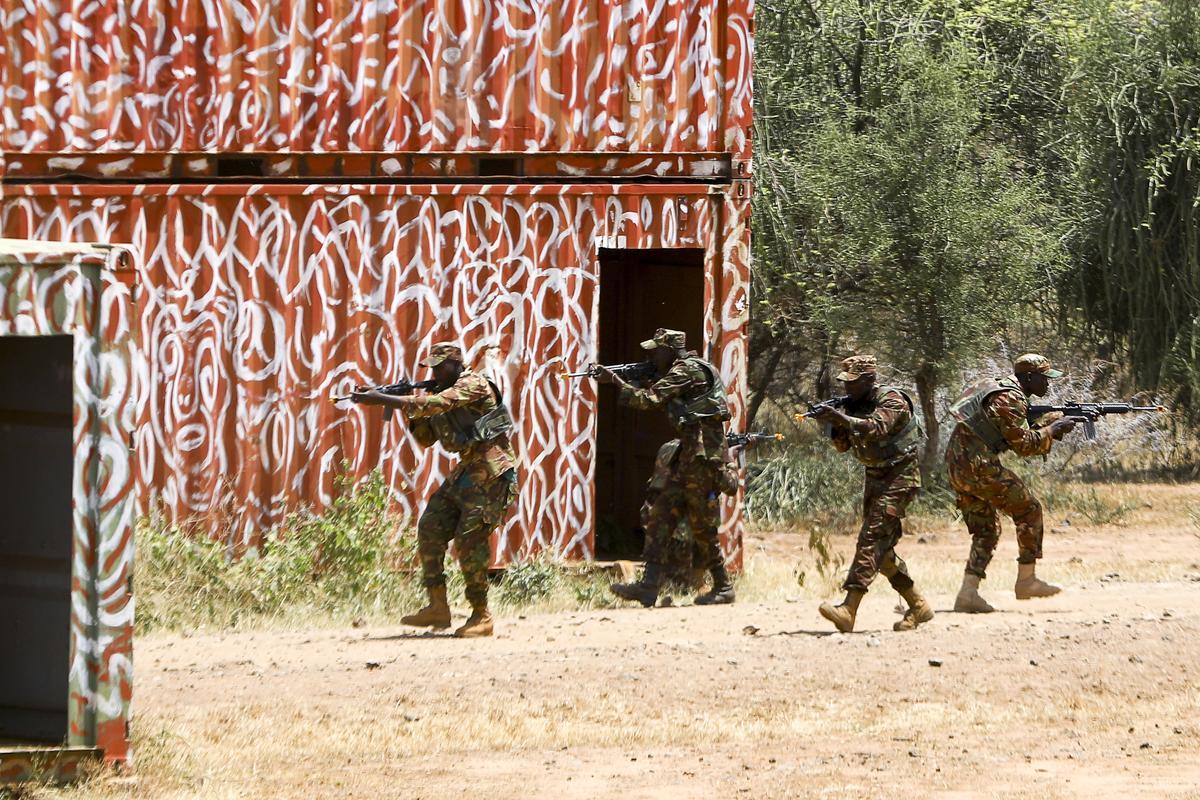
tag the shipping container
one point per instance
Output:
(322, 188)
(337, 75)
(67, 393)
(256, 303)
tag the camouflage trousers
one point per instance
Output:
(886, 495)
(687, 492)
(466, 512)
(984, 487)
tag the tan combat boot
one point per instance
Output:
(1028, 584)
(842, 615)
(919, 610)
(434, 615)
(478, 624)
(968, 600)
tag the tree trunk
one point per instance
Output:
(927, 386)
(758, 392)
(825, 372)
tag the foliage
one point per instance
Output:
(355, 561)
(802, 483)
(346, 562)
(530, 581)
(1131, 132)
(941, 178)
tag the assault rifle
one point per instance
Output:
(815, 408)
(750, 438)
(1088, 413)
(638, 371)
(398, 389)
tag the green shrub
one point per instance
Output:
(346, 562)
(530, 581)
(806, 482)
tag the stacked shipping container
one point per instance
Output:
(322, 189)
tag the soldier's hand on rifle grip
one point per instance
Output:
(368, 397)
(824, 413)
(1061, 427)
(605, 375)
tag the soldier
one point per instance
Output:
(992, 419)
(880, 425)
(688, 480)
(467, 416)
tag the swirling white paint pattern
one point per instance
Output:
(365, 75)
(255, 306)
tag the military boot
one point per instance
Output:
(1028, 584)
(842, 615)
(478, 624)
(919, 610)
(644, 591)
(968, 600)
(721, 592)
(434, 615)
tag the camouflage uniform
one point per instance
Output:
(888, 488)
(984, 486)
(685, 484)
(476, 496)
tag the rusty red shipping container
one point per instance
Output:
(321, 188)
(335, 75)
(259, 302)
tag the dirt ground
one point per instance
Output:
(1092, 694)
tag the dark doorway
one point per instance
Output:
(640, 290)
(35, 535)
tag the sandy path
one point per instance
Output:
(1090, 694)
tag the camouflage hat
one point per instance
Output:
(1032, 362)
(855, 367)
(665, 337)
(442, 351)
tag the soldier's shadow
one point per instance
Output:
(448, 634)
(814, 634)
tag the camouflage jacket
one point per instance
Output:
(703, 439)
(483, 461)
(889, 413)
(1007, 409)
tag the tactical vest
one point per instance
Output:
(969, 410)
(702, 403)
(459, 429)
(900, 444)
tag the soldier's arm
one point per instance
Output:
(1008, 411)
(890, 415)
(674, 383)
(467, 390)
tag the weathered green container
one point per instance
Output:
(67, 400)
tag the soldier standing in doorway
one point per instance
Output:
(879, 423)
(690, 476)
(992, 418)
(467, 416)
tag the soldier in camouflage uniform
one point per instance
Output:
(992, 418)
(467, 416)
(880, 425)
(692, 394)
